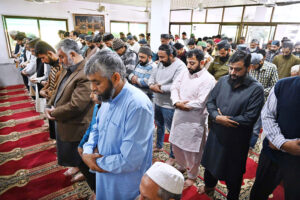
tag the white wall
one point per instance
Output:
(63, 10)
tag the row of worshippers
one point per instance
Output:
(169, 66)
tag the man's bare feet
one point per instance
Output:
(189, 182)
(71, 171)
(206, 190)
(171, 161)
(78, 177)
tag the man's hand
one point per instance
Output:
(24, 73)
(156, 88)
(33, 80)
(272, 146)
(43, 83)
(80, 151)
(90, 161)
(134, 80)
(183, 106)
(292, 147)
(44, 93)
(48, 113)
(226, 121)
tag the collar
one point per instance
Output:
(121, 94)
(198, 74)
(74, 67)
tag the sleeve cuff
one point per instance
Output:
(214, 114)
(88, 150)
(278, 141)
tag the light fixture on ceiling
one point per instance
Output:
(43, 1)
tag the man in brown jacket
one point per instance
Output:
(70, 107)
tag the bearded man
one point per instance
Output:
(233, 106)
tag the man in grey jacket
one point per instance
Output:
(160, 83)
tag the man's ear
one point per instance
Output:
(115, 78)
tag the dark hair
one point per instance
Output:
(197, 53)
(107, 37)
(288, 44)
(223, 44)
(66, 34)
(142, 35)
(20, 36)
(191, 42)
(178, 45)
(61, 32)
(165, 36)
(75, 33)
(262, 52)
(82, 36)
(168, 49)
(33, 42)
(97, 38)
(42, 47)
(166, 195)
(241, 56)
(183, 33)
(205, 38)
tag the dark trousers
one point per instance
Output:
(52, 129)
(233, 184)
(90, 177)
(269, 175)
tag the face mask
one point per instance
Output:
(253, 49)
(107, 94)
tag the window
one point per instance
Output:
(46, 29)
(288, 13)
(233, 14)
(181, 16)
(261, 33)
(174, 29)
(199, 16)
(187, 29)
(126, 27)
(214, 15)
(229, 31)
(202, 30)
(290, 31)
(257, 14)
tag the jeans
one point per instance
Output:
(256, 130)
(163, 118)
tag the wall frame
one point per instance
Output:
(85, 23)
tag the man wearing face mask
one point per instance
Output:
(218, 67)
(266, 74)
(274, 51)
(286, 61)
(142, 72)
(297, 49)
(160, 83)
(70, 106)
(189, 94)
(233, 106)
(124, 141)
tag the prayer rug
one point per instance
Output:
(28, 165)
(221, 191)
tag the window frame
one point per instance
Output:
(4, 17)
(128, 24)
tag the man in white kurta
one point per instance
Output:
(189, 94)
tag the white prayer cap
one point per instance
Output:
(167, 177)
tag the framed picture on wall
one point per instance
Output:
(84, 23)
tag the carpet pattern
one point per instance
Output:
(28, 165)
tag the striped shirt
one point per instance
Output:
(143, 73)
(269, 122)
(267, 75)
(52, 78)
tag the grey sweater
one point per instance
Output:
(165, 76)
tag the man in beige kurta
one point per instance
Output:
(189, 94)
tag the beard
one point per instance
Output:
(70, 63)
(287, 56)
(52, 62)
(209, 51)
(193, 71)
(107, 94)
(224, 59)
(236, 80)
(83, 43)
(166, 64)
(144, 63)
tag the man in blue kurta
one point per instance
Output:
(119, 148)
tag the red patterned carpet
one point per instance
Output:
(28, 167)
